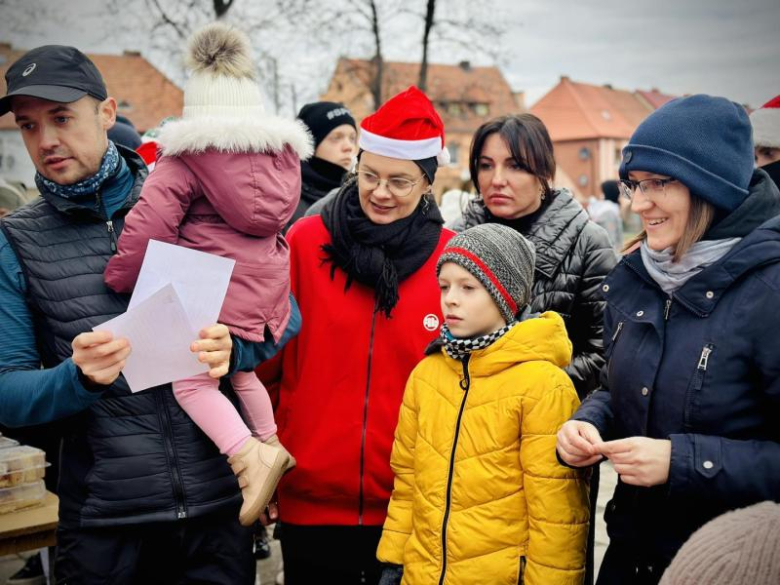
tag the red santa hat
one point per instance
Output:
(406, 127)
(766, 124)
(149, 151)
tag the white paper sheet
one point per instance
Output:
(200, 279)
(160, 336)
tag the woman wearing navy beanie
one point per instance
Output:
(689, 408)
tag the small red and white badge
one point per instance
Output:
(431, 322)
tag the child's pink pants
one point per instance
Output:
(216, 416)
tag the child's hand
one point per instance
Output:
(578, 444)
(213, 348)
(270, 515)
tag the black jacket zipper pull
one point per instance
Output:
(112, 235)
(466, 381)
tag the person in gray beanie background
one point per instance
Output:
(493, 390)
(689, 407)
(741, 547)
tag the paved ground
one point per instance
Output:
(267, 569)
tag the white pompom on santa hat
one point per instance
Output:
(766, 124)
(405, 127)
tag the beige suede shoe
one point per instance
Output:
(273, 440)
(259, 467)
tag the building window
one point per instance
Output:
(583, 180)
(454, 109)
(482, 109)
(584, 153)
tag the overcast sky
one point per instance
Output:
(721, 47)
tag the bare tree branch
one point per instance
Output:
(221, 7)
(430, 12)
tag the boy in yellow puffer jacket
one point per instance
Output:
(479, 496)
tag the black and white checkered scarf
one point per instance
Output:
(458, 348)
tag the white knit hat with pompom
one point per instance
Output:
(223, 82)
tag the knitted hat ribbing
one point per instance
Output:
(702, 141)
(501, 259)
(741, 547)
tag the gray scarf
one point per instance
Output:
(671, 275)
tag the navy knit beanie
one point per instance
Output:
(702, 141)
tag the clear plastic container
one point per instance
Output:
(20, 465)
(5, 442)
(21, 496)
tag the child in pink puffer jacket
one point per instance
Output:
(227, 181)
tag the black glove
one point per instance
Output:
(391, 575)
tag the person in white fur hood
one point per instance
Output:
(227, 182)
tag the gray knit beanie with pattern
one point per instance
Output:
(501, 259)
(741, 547)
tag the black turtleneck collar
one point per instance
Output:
(319, 178)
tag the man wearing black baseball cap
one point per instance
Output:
(144, 495)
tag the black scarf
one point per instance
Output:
(380, 256)
(319, 178)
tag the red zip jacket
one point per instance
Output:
(340, 383)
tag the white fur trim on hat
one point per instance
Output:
(258, 134)
(766, 127)
(402, 149)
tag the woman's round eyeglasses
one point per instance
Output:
(398, 186)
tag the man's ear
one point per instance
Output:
(107, 113)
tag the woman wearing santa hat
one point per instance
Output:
(364, 275)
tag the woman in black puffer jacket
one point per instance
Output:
(512, 167)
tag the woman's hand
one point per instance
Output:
(213, 348)
(640, 461)
(578, 443)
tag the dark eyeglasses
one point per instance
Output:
(649, 187)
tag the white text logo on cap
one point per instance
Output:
(30, 69)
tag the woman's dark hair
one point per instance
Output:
(528, 141)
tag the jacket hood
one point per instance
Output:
(264, 134)
(249, 190)
(553, 234)
(761, 204)
(538, 339)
